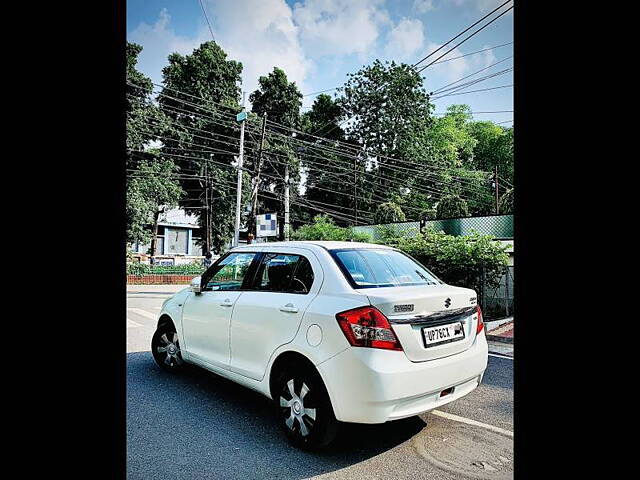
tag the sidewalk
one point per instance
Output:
(500, 336)
(154, 288)
(501, 331)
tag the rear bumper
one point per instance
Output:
(369, 385)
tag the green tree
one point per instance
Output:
(452, 206)
(151, 190)
(327, 170)
(323, 228)
(201, 96)
(506, 202)
(389, 212)
(150, 179)
(387, 104)
(281, 101)
(494, 147)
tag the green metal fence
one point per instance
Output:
(498, 226)
(497, 302)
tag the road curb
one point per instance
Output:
(497, 338)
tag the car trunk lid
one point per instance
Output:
(411, 309)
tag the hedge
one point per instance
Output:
(146, 269)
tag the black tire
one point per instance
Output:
(165, 348)
(317, 432)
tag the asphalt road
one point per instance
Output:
(200, 426)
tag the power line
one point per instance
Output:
(472, 91)
(461, 33)
(474, 82)
(467, 38)
(472, 53)
(472, 113)
(438, 90)
(207, 17)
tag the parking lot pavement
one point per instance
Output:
(198, 425)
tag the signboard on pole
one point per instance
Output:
(267, 225)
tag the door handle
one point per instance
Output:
(289, 308)
(226, 303)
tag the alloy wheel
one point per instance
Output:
(298, 417)
(168, 344)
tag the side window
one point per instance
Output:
(303, 277)
(230, 272)
(275, 272)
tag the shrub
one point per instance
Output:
(465, 261)
(323, 228)
(389, 212)
(452, 206)
(137, 268)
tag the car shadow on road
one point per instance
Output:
(200, 425)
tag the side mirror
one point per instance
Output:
(195, 285)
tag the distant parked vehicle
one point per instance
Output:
(331, 331)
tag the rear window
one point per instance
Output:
(372, 268)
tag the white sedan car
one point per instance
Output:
(331, 331)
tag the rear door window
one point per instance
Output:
(284, 273)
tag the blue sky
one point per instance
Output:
(317, 42)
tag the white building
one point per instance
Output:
(178, 241)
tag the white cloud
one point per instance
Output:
(261, 34)
(405, 39)
(159, 41)
(423, 6)
(339, 27)
(481, 5)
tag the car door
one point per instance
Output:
(269, 312)
(206, 316)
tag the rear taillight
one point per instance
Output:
(480, 321)
(368, 327)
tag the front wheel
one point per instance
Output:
(165, 348)
(305, 411)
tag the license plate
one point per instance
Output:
(442, 334)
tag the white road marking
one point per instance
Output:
(468, 421)
(500, 356)
(132, 324)
(144, 313)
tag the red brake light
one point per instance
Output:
(368, 327)
(480, 321)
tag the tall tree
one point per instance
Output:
(201, 95)
(327, 170)
(151, 184)
(281, 101)
(387, 104)
(151, 191)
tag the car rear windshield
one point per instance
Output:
(374, 268)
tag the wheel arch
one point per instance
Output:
(284, 359)
(165, 319)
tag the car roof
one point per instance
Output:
(328, 245)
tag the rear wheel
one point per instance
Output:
(304, 409)
(165, 348)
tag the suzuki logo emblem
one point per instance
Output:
(447, 302)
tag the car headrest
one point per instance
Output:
(280, 276)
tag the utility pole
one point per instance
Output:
(207, 227)
(241, 117)
(286, 203)
(495, 177)
(256, 181)
(355, 190)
